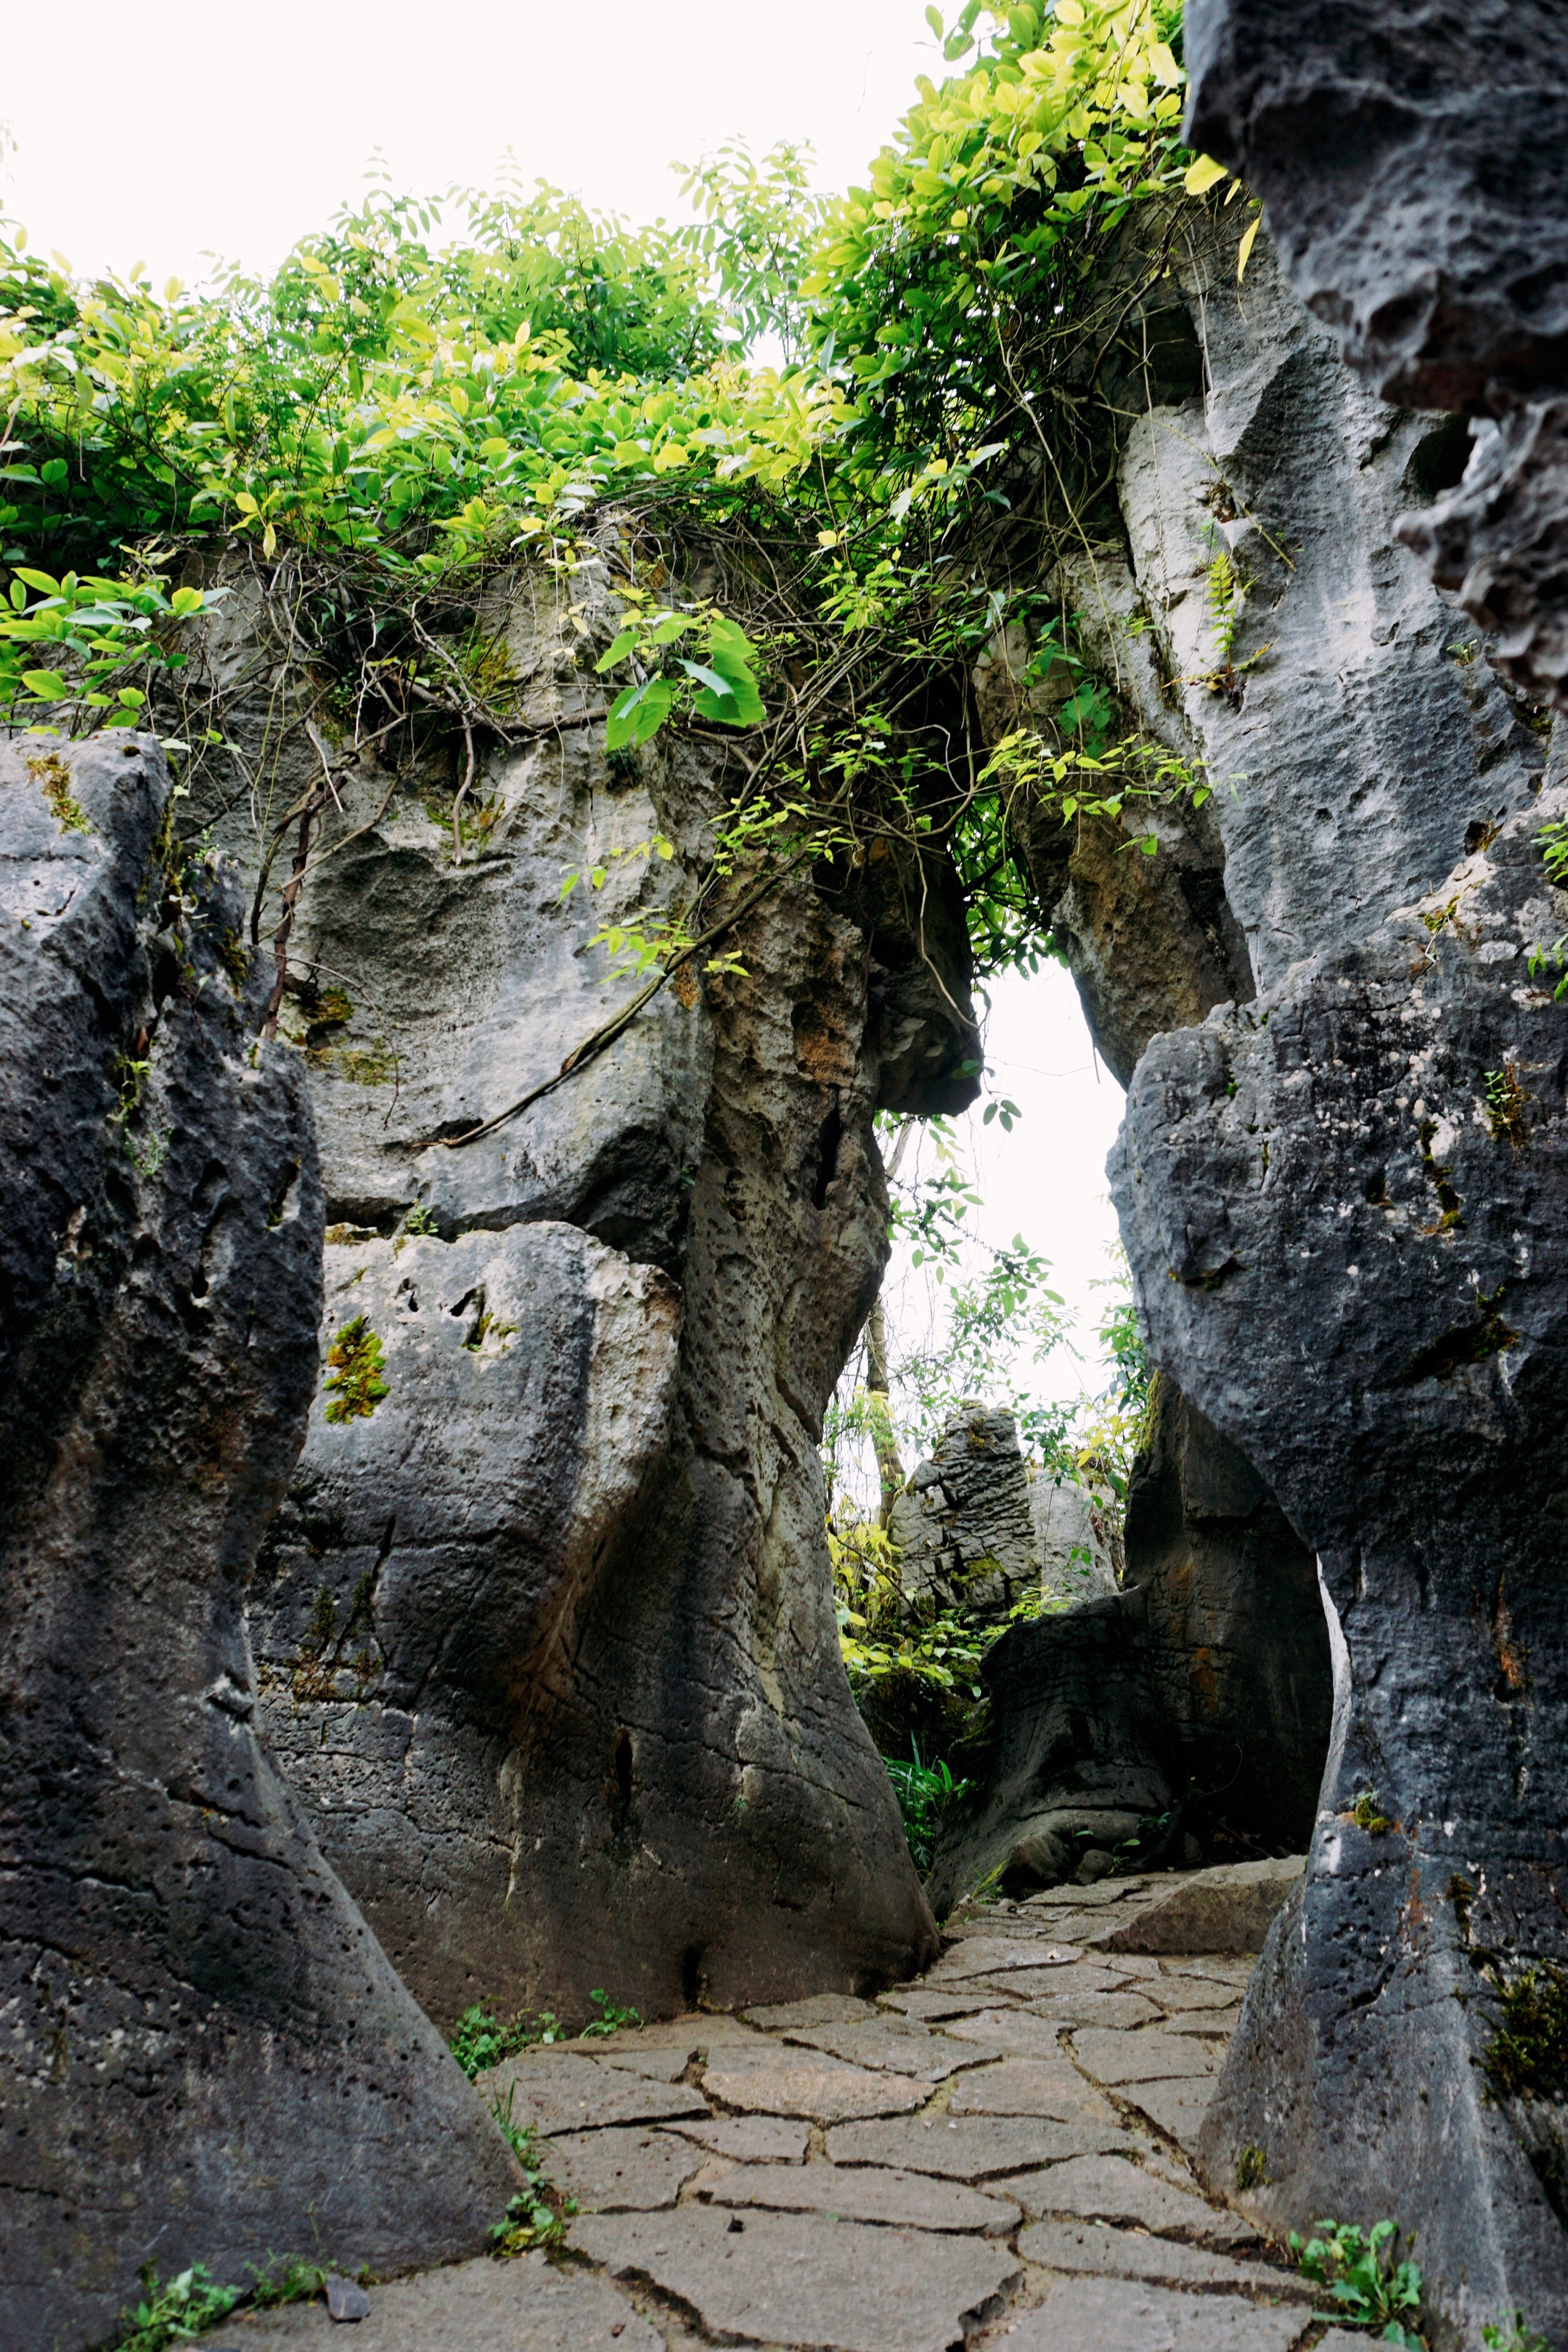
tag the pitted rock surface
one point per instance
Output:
(1400, 157)
(205, 2050)
(549, 1650)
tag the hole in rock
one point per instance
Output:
(691, 1975)
(827, 1154)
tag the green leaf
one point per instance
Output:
(618, 652)
(46, 684)
(638, 712)
(710, 678)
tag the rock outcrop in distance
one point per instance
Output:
(545, 1627)
(206, 2055)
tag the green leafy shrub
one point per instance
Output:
(610, 2020)
(481, 2041)
(926, 1794)
(1366, 2288)
(176, 2312)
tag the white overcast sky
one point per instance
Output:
(152, 134)
(155, 136)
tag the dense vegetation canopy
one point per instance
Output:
(884, 413)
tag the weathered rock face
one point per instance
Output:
(205, 2055)
(1235, 1634)
(1376, 1317)
(546, 1633)
(1343, 1207)
(1407, 160)
(1075, 1731)
(1078, 1535)
(963, 1526)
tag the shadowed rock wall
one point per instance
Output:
(205, 2054)
(1342, 1205)
(1236, 1643)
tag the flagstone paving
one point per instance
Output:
(996, 2157)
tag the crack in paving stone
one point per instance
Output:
(823, 2089)
(896, 2049)
(801, 2281)
(750, 2140)
(1177, 2106)
(1106, 2314)
(1108, 2189)
(913, 2200)
(475, 2306)
(571, 2094)
(973, 2147)
(1095, 2247)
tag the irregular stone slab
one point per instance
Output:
(1219, 2024)
(796, 2279)
(898, 2050)
(1111, 2315)
(971, 2148)
(913, 2200)
(1192, 1993)
(1178, 2105)
(977, 1956)
(1018, 2033)
(666, 2066)
(825, 2089)
(1033, 2086)
(1114, 2012)
(1141, 2057)
(1108, 2189)
(1127, 2254)
(821, 2009)
(701, 2031)
(476, 2307)
(1230, 1909)
(1070, 1982)
(929, 2005)
(188, 1990)
(1211, 1970)
(570, 2094)
(623, 2170)
(750, 2140)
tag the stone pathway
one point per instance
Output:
(992, 2158)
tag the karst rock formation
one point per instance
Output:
(204, 2049)
(1409, 158)
(1341, 1195)
(545, 1633)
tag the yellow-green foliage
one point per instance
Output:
(354, 1385)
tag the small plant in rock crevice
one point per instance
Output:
(175, 2313)
(481, 2041)
(1251, 2169)
(1366, 1814)
(1355, 2268)
(354, 1385)
(926, 1794)
(1527, 2056)
(1509, 2334)
(610, 2020)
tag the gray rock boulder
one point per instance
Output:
(1345, 1208)
(1077, 1538)
(1072, 1755)
(962, 1527)
(1234, 1636)
(1407, 158)
(603, 1735)
(205, 2055)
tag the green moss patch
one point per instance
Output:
(354, 1383)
